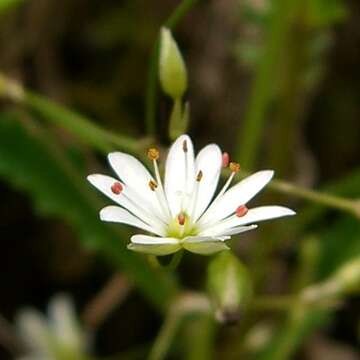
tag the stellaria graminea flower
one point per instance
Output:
(57, 336)
(182, 213)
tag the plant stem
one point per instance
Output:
(175, 261)
(186, 304)
(79, 125)
(152, 79)
(262, 91)
(332, 201)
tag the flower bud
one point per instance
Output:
(172, 69)
(229, 286)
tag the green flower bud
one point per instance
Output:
(229, 286)
(172, 69)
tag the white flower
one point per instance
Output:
(58, 336)
(181, 213)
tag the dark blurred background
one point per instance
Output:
(93, 56)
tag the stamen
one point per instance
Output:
(195, 194)
(184, 201)
(153, 185)
(241, 211)
(199, 176)
(184, 145)
(116, 188)
(161, 193)
(225, 159)
(153, 154)
(181, 219)
(234, 167)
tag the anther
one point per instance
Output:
(153, 154)
(181, 219)
(225, 159)
(184, 146)
(153, 185)
(241, 211)
(116, 188)
(199, 176)
(234, 167)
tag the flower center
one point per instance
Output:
(181, 227)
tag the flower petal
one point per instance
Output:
(154, 245)
(179, 174)
(34, 330)
(117, 214)
(134, 174)
(209, 162)
(65, 324)
(238, 195)
(126, 199)
(254, 215)
(234, 230)
(204, 245)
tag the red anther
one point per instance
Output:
(241, 211)
(225, 159)
(116, 188)
(181, 219)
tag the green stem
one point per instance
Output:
(175, 261)
(186, 304)
(165, 336)
(79, 125)
(332, 201)
(263, 90)
(152, 79)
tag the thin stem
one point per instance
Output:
(77, 124)
(112, 295)
(186, 304)
(332, 201)
(175, 260)
(165, 336)
(328, 200)
(171, 266)
(152, 79)
(263, 89)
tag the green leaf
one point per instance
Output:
(29, 165)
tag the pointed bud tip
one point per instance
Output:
(172, 69)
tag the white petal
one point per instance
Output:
(235, 230)
(104, 183)
(64, 323)
(209, 161)
(154, 245)
(238, 195)
(204, 245)
(179, 174)
(254, 215)
(34, 330)
(134, 174)
(117, 214)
